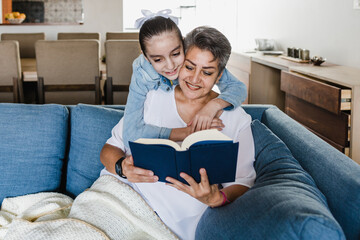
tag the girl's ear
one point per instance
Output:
(145, 57)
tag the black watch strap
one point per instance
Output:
(118, 167)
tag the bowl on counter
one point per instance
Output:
(317, 61)
(16, 20)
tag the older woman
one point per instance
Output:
(207, 52)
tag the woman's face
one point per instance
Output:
(199, 73)
(166, 54)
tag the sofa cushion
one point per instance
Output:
(32, 148)
(284, 202)
(90, 128)
(336, 175)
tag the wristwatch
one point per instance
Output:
(118, 167)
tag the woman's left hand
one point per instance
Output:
(203, 191)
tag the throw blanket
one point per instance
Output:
(109, 209)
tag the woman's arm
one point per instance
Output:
(109, 155)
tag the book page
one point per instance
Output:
(159, 141)
(204, 135)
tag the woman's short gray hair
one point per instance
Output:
(208, 38)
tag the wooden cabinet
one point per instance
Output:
(325, 99)
(265, 79)
(318, 107)
(343, 103)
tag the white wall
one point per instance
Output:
(0, 12)
(328, 28)
(99, 16)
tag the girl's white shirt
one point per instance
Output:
(178, 210)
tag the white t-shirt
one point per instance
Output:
(178, 210)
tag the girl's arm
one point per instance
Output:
(144, 79)
(134, 125)
(233, 93)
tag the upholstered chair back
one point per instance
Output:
(122, 35)
(26, 42)
(120, 55)
(78, 35)
(10, 72)
(69, 70)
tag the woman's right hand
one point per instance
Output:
(135, 174)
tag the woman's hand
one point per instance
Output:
(203, 191)
(136, 174)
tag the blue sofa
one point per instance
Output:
(305, 189)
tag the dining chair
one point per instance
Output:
(120, 55)
(68, 71)
(122, 35)
(78, 35)
(11, 88)
(26, 42)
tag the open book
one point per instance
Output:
(209, 149)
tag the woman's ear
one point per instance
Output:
(218, 78)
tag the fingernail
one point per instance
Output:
(156, 178)
(151, 174)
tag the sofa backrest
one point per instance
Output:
(32, 148)
(90, 128)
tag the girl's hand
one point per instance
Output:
(204, 117)
(203, 191)
(135, 174)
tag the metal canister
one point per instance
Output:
(305, 54)
(296, 53)
(290, 52)
(301, 53)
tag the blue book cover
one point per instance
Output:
(209, 149)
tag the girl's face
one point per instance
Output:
(166, 54)
(199, 73)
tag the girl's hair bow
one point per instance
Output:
(148, 15)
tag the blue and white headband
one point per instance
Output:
(148, 15)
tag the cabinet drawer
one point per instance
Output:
(329, 125)
(315, 92)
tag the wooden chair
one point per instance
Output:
(26, 42)
(11, 88)
(68, 71)
(78, 35)
(120, 55)
(122, 35)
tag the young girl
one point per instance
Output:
(157, 67)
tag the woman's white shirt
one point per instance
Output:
(178, 210)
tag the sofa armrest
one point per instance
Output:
(256, 110)
(336, 175)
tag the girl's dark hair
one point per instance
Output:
(156, 26)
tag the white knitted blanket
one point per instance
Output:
(109, 209)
